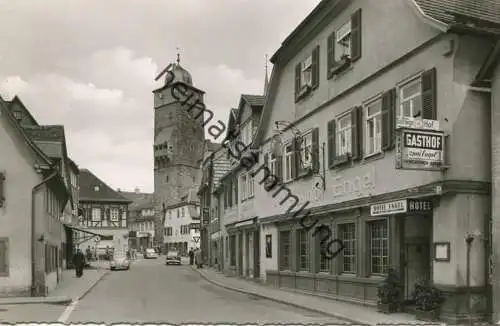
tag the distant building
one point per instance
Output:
(33, 196)
(103, 212)
(182, 224)
(141, 219)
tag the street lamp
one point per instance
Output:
(277, 146)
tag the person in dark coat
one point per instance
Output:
(79, 262)
(191, 256)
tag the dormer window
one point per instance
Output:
(18, 115)
(96, 188)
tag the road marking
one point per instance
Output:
(67, 312)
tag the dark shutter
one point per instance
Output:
(279, 167)
(315, 150)
(224, 184)
(356, 35)
(331, 141)
(315, 68)
(108, 213)
(2, 188)
(429, 105)
(357, 132)
(388, 118)
(236, 188)
(295, 158)
(330, 55)
(230, 192)
(298, 70)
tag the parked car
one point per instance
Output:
(173, 257)
(119, 262)
(150, 253)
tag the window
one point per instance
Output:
(379, 247)
(410, 99)
(323, 239)
(96, 214)
(18, 115)
(169, 215)
(284, 250)
(303, 246)
(348, 237)
(178, 213)
(243, 186)
(168, 231)
(373, 128)
(183, 212)
(4, 257)
(344, 135)
(114, 214)
(343, 45)
(306, 75)
(247, 133)
(272, 164)
(288, 162)
(306, 151)
(250, 184)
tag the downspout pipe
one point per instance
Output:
(33, 228)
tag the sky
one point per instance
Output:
(90, 66)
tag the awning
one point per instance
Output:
(81, 239)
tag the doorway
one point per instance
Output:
(416, 247)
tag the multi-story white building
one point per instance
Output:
(182, 224)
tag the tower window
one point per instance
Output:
(166, 178)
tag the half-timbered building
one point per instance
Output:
(102, 214)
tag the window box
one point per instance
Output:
(344, 63)
(304, 91)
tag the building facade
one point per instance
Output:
(179, 142)
(33, 195)
(239, 218)
(141, 219)
(372, 136)
(181, 230)
(103, 215)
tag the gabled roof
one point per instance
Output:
(253, 100)
(4, 110)
(445, 10)
(105, 193)
(142, 202)
(16, 100)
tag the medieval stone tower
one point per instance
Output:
(178, 144)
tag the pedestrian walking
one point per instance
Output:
(197, 257)
(79, 262)
(191, 256)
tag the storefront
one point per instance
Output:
(244, 248)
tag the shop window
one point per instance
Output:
(323, 238)
(379, 246)
(303, 246)
(348, 237)
(232, 250)
(284, 250)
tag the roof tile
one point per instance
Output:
(88, 182)
(254, 100)
(443, 10)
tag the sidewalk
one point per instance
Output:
(335, 308)
(71, 288)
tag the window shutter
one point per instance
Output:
(356, 129)
(315, 68)
(295, 158)
(330, 55)
(315, 150)
(298, 71)
(225, 194)
(356, 35)
(236, 193)
(2, 188)
(331, 142)
(429, 105)
(266, 160)
(279, 167)
(230, 192)
(388, 116)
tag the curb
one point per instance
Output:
(330, 314)
(92, 287)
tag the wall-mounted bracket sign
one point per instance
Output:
(401, 206)
(419, 150)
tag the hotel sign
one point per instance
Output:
(401, 206)
(416, 123)
(419, 150)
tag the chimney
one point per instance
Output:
(118, 189)
(137, 190)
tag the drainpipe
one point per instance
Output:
(33, 221)
(468, 241)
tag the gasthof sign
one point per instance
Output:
(416, 150)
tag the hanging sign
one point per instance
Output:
(419, 150)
